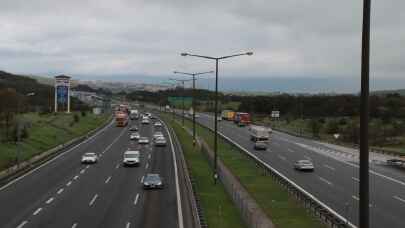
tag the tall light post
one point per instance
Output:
(182, 82)
(216, 101)
(364, 194)
(194, 78)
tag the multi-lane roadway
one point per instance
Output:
(65, 193)
(335, 180)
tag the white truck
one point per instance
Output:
(259, 133)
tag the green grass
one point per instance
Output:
(217, 205)
(46, 132)
(283, 210)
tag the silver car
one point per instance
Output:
(152, 181)
(260, 145)
(89, 158)
(304, 165)
(157, 135)
(143, 140)
(134, 136)
(131, 158)
(160, 141)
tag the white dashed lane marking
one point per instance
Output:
(136, 199)
(22, 224)
(49, 200)
(60, 191)
(107, 180)
(93, 199)
(37, 211)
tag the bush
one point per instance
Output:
(83, 113)
(76, 118)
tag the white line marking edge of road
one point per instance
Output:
(179, 205)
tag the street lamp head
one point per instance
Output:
(249, 53)
(184, 54)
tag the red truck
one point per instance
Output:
(242, 118)
(121, 119)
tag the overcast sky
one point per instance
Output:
(103, 39)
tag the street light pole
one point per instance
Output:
(183, 93)
(194, 96)
(216, 103)
(364, 194)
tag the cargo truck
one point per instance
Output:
(242, 119)
(259, 133)
(228, 115)
(121, 119)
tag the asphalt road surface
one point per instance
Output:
(66, 193)
(335, 180)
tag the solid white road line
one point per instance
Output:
(37, 211)
(53, 159)
(176, 175)
(60, 191)
(22, 224)
(76, 177)
(69, 183)
(399, 198)
(326, 181)
(93, 199)
(128, 225)
(49, 200)
(74, 225)
(136, 199)
(329, 167)
(355, 179)
(142, 179)
(107, 180)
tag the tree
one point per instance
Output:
(315, 127)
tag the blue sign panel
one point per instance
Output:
(62, 94)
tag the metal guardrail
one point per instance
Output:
(324, 212)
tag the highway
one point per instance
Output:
(335, 180)
(66, 193)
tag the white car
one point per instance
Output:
(158, 124)
(158, 134)
(143, 140)
(160, 141)
(304, 165)
(134, 136)
(131, 158)
(89, 158)
(145, 121)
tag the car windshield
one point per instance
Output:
(131, 155)
(89, 155)
(153, 178)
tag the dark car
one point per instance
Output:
(152, 181)
(133, 128)
(260, 145)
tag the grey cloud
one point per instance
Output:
(291, 38)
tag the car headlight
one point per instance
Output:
(146, 183)
(159, 183)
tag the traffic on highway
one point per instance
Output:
(109, 180)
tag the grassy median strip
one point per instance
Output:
(218, 207)
(282, 209)
(46, 132)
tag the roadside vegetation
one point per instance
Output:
(40, 132)
(282, 208)
(218, 207)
